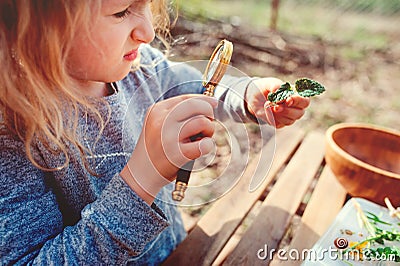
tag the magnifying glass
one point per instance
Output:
(213, 74)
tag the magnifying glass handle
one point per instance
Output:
(183, 175)
(209, 90)
(221, 56)
(182, 181)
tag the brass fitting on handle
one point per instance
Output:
(179, 193)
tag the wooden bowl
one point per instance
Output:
(366, 160)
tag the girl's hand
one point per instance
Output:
(280, 115)
(164, 144)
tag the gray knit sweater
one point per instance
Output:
(72, 217)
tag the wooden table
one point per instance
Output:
(240, 227)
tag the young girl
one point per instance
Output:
(88, 144)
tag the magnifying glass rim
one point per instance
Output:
(225, 58)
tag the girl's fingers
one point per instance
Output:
(178, 143)
(269, 115)
(196, 149)
(281, 115)
(284, 121)
(196, 126)
(180, 98)
(202, 128)
(183, 107)
(297, 101)
(293, 113)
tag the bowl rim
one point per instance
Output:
(335, 146)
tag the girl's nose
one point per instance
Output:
(144, 32)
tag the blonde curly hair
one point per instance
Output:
(38, 99)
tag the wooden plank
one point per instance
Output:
(281, 203)
(206, 240)
(325, 203)
(228, 248)
(235, 238)
(189, 222)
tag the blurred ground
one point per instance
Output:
(362, 80)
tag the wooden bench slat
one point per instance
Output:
(281, 203)
(325, 203)
(206, 240)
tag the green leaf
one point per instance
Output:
(307, 87)
(304, 87)
(284, 92)
(376, 219)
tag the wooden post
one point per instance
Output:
(274, 14)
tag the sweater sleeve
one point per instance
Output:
(186, 77)
(231, 92)
(113, 228)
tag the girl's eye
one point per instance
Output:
(122, 14)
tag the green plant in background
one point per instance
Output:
(350, 19)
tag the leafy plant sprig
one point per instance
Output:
(304, 87)
(378, 235)
(386, 252)
(375, 219)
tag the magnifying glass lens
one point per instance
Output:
(217, 64)
(214, 65)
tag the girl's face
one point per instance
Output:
(106, 54)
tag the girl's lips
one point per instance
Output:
(131, 55)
